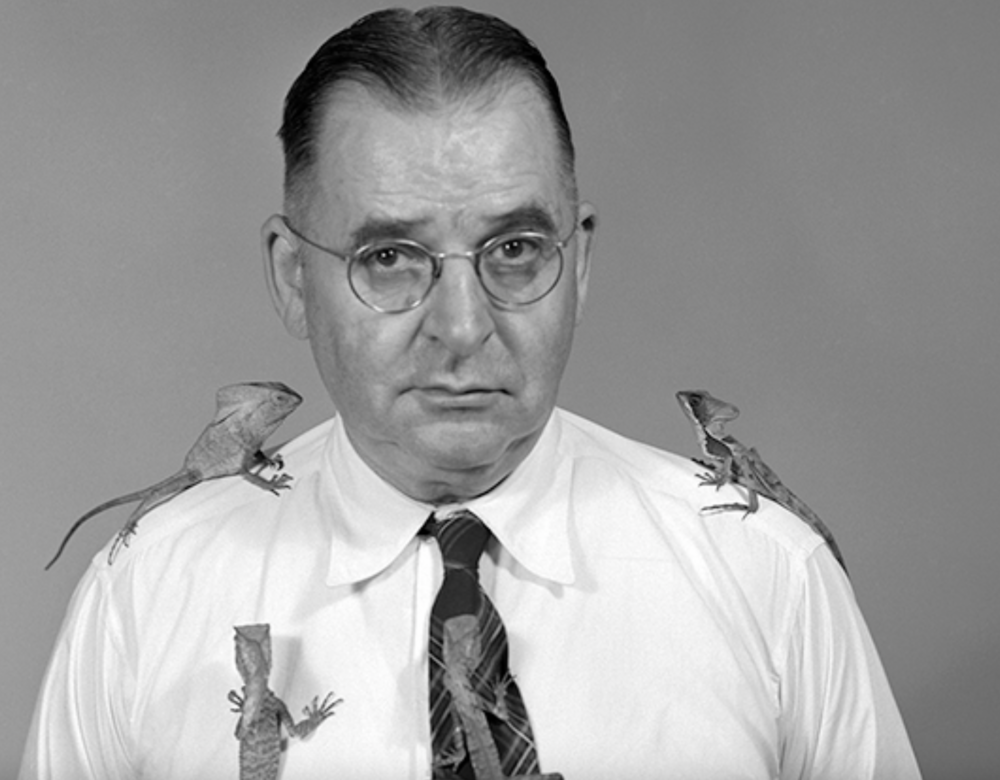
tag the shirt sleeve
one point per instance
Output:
(839, 718)
(79, 729)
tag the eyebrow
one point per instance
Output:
(380, 229)
(528, 217)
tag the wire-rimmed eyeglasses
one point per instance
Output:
(515, 269)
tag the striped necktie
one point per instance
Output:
(480, 671)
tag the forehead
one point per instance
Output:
(464, 161)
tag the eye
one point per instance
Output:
(515, 250)
(385, 257)
(382, 258)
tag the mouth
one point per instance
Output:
(453, 397)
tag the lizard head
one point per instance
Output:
(258, 407)
(249, 395)
(706, 411)
(253, 651)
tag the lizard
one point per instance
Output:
(730, 461)
(262, 713)
(246, 414)
(461, 654)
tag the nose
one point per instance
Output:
(459, 314)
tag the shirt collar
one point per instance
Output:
(374, 522)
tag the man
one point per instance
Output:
(435, 255)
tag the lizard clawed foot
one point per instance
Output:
(315, 714)
(709, 479)
(712, 478)
(120, 541)
(275, 461)
(498, 706)
(235, 698)
(320, 712)
(280, 482)
(273, 485)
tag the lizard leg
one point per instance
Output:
(448, 760)
(717, 509)
(263, 461)
(720, 473)
(498, 707)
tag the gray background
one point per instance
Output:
(799, 206)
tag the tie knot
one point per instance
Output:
(462, 538)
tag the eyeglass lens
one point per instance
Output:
(515, 269)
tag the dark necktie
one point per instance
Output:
(462, 538)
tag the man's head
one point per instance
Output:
(416, 62)
(444, 399)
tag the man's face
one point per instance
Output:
(444, 400)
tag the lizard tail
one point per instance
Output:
(161, 490)
(95, 511)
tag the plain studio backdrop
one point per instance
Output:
(800, 211)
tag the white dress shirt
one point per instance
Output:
(648, 641)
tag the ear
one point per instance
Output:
(587, 225)
(283, 272)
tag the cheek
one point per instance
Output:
(356, 359)
(351, 378)
(332, 336)
(545, 348)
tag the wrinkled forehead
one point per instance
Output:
(351, 109)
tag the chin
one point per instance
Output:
(468, 445)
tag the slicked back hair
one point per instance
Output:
(416, 61)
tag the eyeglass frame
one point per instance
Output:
(437, 260)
